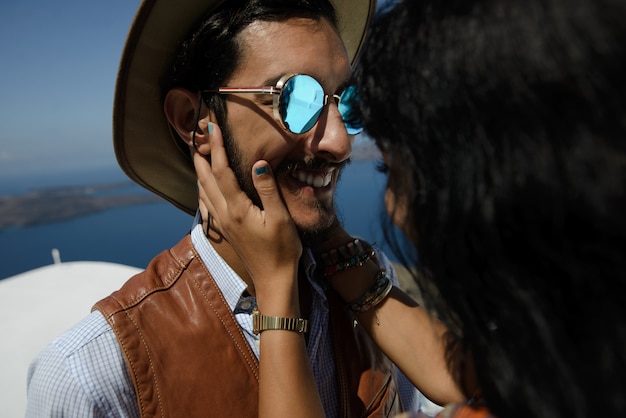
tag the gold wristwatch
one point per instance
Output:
(264, 322)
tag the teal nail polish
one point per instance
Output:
(259, 171)
(210, 128)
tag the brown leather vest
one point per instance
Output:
(187, 356)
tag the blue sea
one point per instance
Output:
(133, 235)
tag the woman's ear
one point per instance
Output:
(181, 109)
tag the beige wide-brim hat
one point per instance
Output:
(145, 147)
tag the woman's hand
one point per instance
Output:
(265, 239)
(268, 243)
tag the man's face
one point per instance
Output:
(307, 166)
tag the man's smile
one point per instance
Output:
(316, 179)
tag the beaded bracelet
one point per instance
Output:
(374, 295)
(346, 257)
(353, 262)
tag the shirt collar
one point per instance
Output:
(231, 285)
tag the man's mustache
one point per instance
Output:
(312, 164)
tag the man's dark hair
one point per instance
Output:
(212, 52)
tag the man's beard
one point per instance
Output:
(244, 179)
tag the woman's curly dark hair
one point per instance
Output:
(504, 127)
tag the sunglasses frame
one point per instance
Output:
(277, 91)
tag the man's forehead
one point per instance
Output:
(273, 49)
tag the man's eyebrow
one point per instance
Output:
(272, 81)
(350, 81)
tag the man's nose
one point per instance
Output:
(330, 135)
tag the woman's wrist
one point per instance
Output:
(352, 284)
(278, 295)
(352, 255)
(373, 296)
(352, 270)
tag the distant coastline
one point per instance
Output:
(61, 203)
(107, 220)
(57, 204)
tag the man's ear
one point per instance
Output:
(181, 109)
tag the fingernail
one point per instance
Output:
(210, 128)
(259, 171)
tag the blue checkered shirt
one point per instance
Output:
(82, 373)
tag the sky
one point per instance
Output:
(58, 66)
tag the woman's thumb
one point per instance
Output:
(265, 185)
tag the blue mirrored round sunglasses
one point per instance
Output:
(299, 100)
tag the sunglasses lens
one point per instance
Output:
(301, 103)
(349, 110)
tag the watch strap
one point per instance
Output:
(265, 322)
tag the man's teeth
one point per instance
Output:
(314, 180)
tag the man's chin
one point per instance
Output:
(314, 232)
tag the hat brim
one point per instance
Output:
(144, 145)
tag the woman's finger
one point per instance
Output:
(275, 213)
(222, 175)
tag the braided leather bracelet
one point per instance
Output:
(374, 295)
